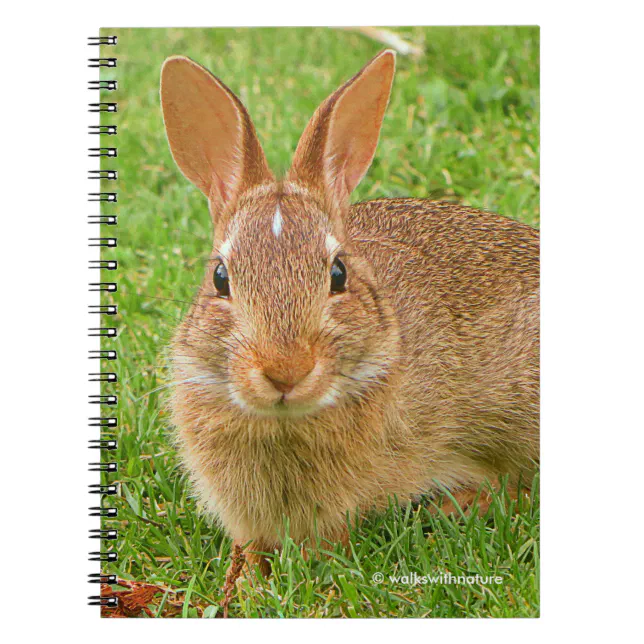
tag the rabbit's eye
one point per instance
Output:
(220, 279)
(338, 276)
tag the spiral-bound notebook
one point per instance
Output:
(318, 315)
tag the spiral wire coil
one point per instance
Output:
(107, 379)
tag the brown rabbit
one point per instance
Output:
(337, 355)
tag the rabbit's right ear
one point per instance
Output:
(210, 133)
(340, 141)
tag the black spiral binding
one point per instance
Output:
(106, 423)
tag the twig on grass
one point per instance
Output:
(237, 563)
(391, 39)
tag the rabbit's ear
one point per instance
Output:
(340, 141)
(211, 136)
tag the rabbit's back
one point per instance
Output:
(465, 287)
(469, 256)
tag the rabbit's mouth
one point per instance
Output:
(284, 409)
(263, 392)
(281, 408)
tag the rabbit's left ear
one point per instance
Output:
(211, 136)
(339, 143)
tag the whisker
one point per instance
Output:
(243, 341)
(149, 367)
(344, 375)
(215, 368)
(349, 344)
(221, 342)
(327, 329)
(165, 299)
(180, 320)
(361, 361)
(172, 384)
(337, 338)
(210, 335)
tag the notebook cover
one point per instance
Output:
(229, 293)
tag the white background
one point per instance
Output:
(592, 227)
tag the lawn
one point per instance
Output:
(463, 123)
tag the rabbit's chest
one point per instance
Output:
(305, 477)
(259, 487)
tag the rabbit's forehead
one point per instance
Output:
(280, 230)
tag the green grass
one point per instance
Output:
(462, 124)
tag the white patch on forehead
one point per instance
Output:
(277, 222)
(332, 244)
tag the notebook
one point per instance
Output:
(315, 321)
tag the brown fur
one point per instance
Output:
(423, 373)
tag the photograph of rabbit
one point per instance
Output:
(254, 480)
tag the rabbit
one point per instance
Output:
(337, 356)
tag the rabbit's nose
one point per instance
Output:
(283, 387)
(286, 380)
